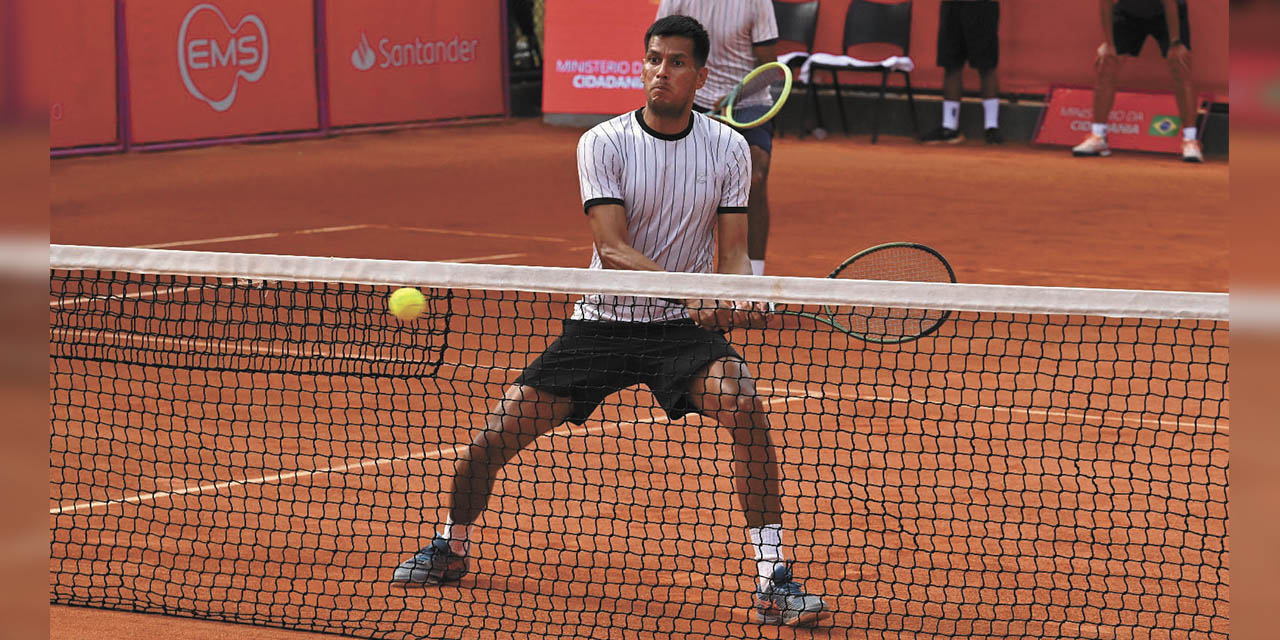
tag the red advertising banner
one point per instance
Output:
(406, 60)
(82, 86)
(1138, 121)
(215, 69)
(593, 54)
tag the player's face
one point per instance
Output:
(671, 76)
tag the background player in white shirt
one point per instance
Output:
(659, 185)
(744, 35)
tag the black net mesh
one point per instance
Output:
(267, 453)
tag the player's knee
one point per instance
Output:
(740, 398)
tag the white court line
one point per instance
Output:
(349, 227)
(426, 454)
(498, 256)
(474, 234)
(186, 243)
(255, 236)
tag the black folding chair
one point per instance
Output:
(866, 23)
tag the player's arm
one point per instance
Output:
(767, 52)
(609, 229)
(731, 244)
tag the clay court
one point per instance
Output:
(506, 192)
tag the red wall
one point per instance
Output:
(403, 60)
(82, 86)
(208, 70)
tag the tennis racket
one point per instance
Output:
(773, 77)
(904, 261)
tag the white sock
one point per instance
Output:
(1100, 129)
(950, 114)
(991, 113)
(1189, 133)
(757, 267)
(458, 535)
(767, 541)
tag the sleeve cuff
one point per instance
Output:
(731, 210)
(586, 206)
(765, 43)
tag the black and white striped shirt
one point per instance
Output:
(672, 188)
(735, 26)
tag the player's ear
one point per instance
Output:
(702, 76)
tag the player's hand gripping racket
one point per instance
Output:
(773, 77)
(905, 261)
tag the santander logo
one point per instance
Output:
(214, 57)
(392, 54)
(362, 57)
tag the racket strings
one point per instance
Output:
(889, 324)
(770, 80)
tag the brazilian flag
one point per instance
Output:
(1165, 126)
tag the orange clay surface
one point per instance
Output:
(507, 193)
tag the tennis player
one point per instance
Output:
(744, 35)
(1125, 27)
(659, 186)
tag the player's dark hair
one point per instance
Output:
(686, 27)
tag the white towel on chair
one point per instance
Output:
(897, 63)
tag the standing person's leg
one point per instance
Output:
(983, 35)
(758, 209)
(1179, 59)
(523, 414)
(725, 391)
(952, 53)
(760, 141)
(1129, 34)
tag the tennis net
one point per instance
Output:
(253, 439)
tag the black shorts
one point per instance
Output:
(969, 31)
(1130, 32)
(761, 136)
(591, 360)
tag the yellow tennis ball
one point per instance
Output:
(406, 303)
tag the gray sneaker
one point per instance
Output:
(785, 602)
(435, 563)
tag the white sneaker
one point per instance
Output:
(1191, 151)
(1094, 145)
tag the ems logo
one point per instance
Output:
(1164, 126)
(213, 56)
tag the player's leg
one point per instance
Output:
(1128, 33)
(758, 209)
(583, 366)
(523, 414)
(726, 392)
(1184, 89)
(952, 53)
(760, 141)
(982, 32)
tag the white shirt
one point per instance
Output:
(672, 187)
(735, 26)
